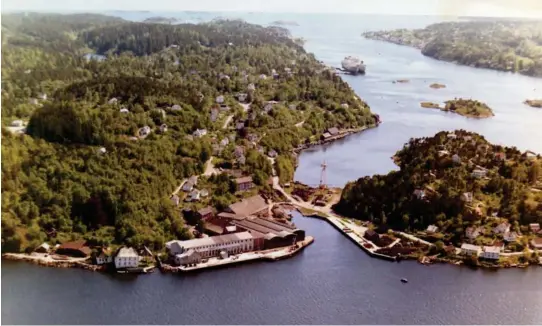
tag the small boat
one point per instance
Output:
(404, 280)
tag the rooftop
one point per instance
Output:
(220, 239)
(468, 246)
(248, 206)
(127, 252)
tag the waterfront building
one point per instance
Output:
(103, 257)
(469, 250)
(43, 248)
(491, 252)
(274, 234)
(126, 258)
(74, 248)
(188, 257)
(234, 243)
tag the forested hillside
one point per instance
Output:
(501, 45)
(108, 139)
(451, 180)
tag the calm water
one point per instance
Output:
(332, 281)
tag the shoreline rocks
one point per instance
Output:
(437, 86)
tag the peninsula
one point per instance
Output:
(534, 103)
(476, 202)
(467, 108)
(504, 45)
(152, 144)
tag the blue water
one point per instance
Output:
(332, 281)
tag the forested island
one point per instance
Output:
(454, 188)
(505, 45)
(465, 107)
(94, 149)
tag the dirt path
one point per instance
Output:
(210, 168)
(300, 124)
(227, 122)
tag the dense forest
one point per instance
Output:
(113, 111)
(501, 45)
(451, 180)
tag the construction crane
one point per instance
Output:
(323, 180)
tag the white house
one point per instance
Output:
(491, 252)
(113, 101)
(262, 77)
(188, 257)
(432, 228)
(126, 257)
(200, 132)
(103, 258)
(102, 150)
(220, 99)
(145, 131)
(451, 136)
(456, 158)
(510, 236)
(251, 87)
(535, 227)
(242, 97)
(124, 110)
(469, 250)
(17, 123)
(502, 228)
(479, 173)
(176, 107)
(163, 128)
(467, 197)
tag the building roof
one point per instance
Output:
(243, 180)
(492, 249)
(78, 244)
(468, 246)
(231, 216)
(333, 131)
(326, 135)
(249, 206)
(537, 241)
(127, 252)
(213, 228)
(219, 239)
(205, 210)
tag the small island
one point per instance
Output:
(534, 103)
(457, 198)
(437, 86)
(401, 81)
(465, 107)
(161, 20)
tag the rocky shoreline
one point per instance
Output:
(342, 135)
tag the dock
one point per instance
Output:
(354, 233)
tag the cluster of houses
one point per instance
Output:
(493, 252)
(242, 227)
(123, 258)
(193, 194)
